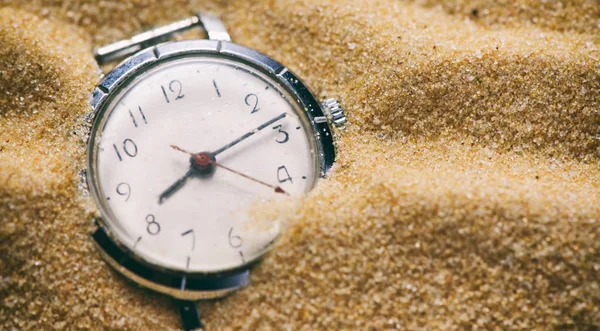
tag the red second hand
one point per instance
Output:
(277, 189)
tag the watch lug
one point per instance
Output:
(214, 27)
(189, 315)
(334, 112)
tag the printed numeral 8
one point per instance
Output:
(153, 227)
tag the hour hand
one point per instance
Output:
(174, 187)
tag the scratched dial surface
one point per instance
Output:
(174, 212)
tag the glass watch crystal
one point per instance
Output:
(185, 149)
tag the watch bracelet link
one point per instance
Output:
(211, 24)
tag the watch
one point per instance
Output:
(186, 139)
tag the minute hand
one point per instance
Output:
(247, 135)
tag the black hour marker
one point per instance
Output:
(298, 127)
(303, 177)
(269, 244)
(137, 241)
(266, 88)
(187, 263)
(242, 256)
(107, 198)
(216, 88)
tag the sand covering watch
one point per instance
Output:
(187, 137)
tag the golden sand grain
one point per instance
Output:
(465, 193)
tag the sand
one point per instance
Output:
(464, 197)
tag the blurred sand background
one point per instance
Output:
(465, 195)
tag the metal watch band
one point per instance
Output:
(122, 48)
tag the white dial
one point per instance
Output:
(186, 149)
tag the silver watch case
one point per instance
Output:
(190, 286)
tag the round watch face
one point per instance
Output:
(186, 151)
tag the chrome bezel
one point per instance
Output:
(121, 257)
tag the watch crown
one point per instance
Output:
(335, 112)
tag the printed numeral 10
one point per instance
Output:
(129, 148)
